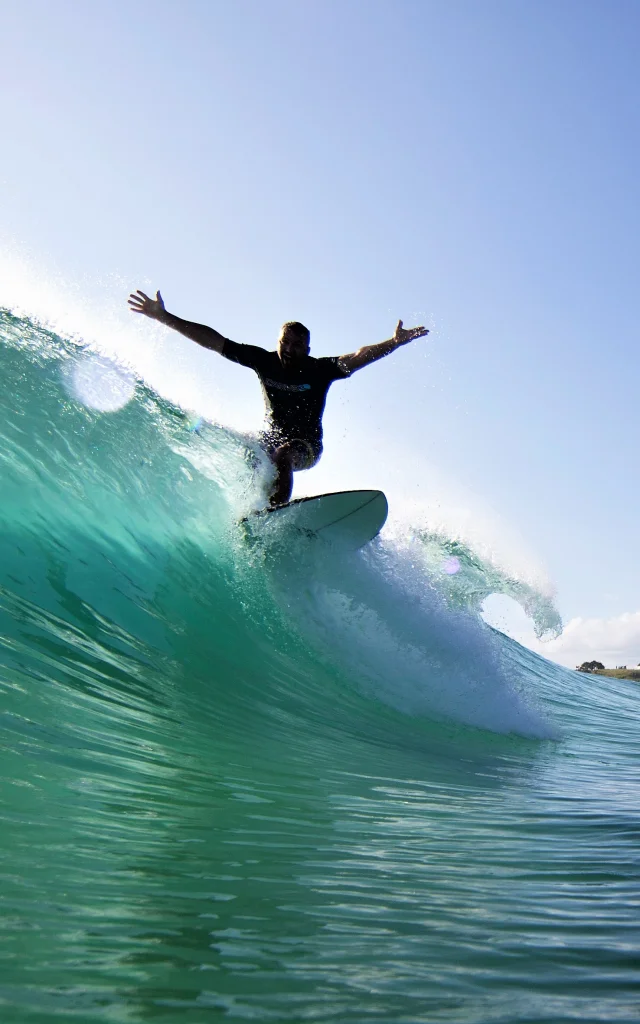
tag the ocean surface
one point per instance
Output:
(278, 783)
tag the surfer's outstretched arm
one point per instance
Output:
(369, 354)
(154, 308)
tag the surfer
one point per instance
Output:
(294, 383)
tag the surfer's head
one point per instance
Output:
(293, 343)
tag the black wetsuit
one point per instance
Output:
(294, 396)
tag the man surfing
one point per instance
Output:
(294, 384)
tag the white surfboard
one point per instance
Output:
(347, 518)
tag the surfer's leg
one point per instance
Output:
(283, 483)
(288, 458)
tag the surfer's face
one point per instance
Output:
(292, 347)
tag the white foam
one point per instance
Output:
(375, 617)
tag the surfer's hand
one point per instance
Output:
(141, 303)
(404, 335)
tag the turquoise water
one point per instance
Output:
(286, 786)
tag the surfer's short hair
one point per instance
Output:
(296, 328)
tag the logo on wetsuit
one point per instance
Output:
(286, 387)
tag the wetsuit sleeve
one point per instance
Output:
(333, 370)
(246, 355)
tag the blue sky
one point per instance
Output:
(472, 165)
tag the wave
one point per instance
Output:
(143, 503)
(275, 781)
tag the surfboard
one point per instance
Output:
(346, 518)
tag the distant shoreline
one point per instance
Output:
(618, 673)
